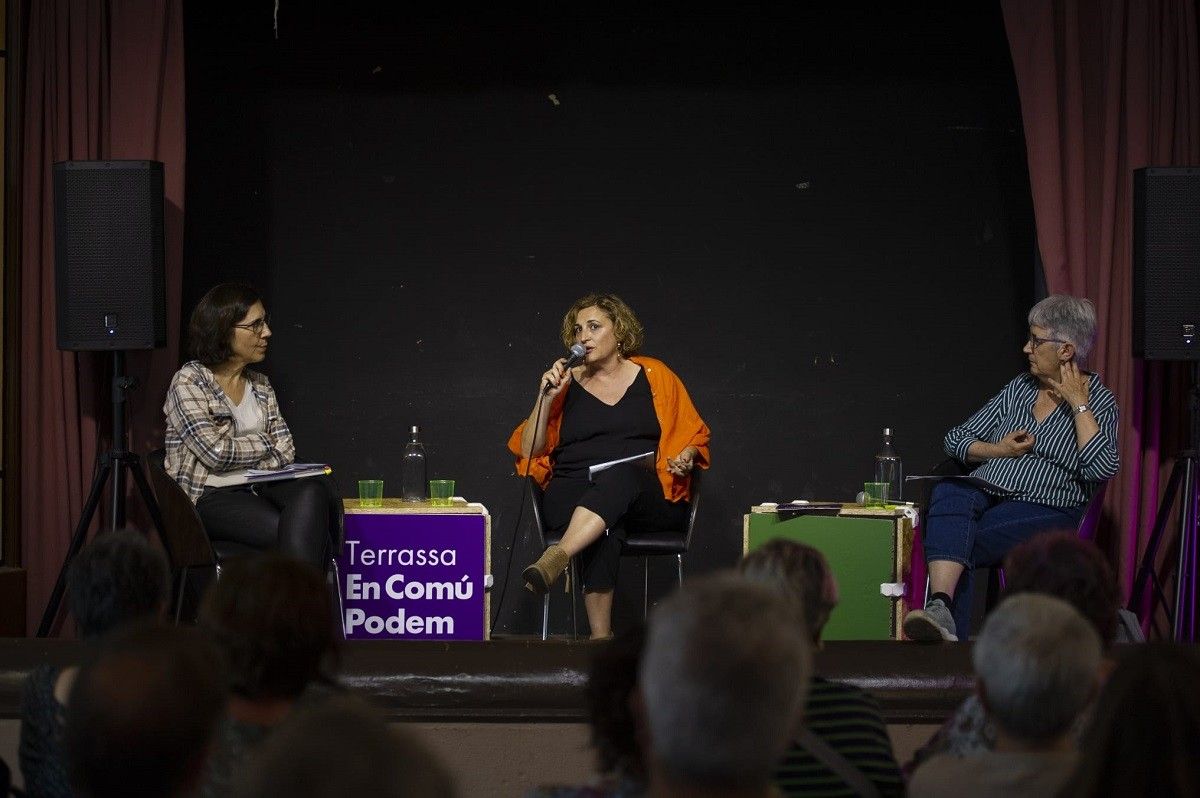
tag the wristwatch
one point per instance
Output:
(1082, 409)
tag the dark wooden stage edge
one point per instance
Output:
(519, 680)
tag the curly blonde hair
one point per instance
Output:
(628, 330)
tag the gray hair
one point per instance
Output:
(1070, 317)
(1037, 660)
(723, 681)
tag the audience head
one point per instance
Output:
(612, 679)
(211, 327)
(1069, 318)
(799, 571)
(143, 712)
(343, 747)
(1037, 661)
(627, 329)
(116, 578)
(1061, 565)
(271, 617)
(1144, 738)
(722, 684)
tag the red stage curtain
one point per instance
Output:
(101, 79)
(1107, 87)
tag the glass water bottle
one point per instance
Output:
(413, 482)
(888, 467)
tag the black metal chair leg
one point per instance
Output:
(336, 574)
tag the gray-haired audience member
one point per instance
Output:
(117, 578)
(721, 687)
(1057, 564)
(1037, 662)
(341, 748)
(143, 713)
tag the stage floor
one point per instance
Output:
(517, 679)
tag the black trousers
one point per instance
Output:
(624, 496)
(298, 517)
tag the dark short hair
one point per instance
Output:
(1061, 565)
(612, 679)
(142, 713)
(798, 571)
(116, 578)
(210, 328)
(342, 746)
(1144, 737)
(272, 618)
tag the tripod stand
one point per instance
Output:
(1184, 487)
(112, 463)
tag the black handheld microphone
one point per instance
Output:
(578, 353)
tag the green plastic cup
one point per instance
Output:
(875, 494)
(370, 493)
(440, 491)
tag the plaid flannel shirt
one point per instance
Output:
(202, 437)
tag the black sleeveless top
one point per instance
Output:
(593, 432)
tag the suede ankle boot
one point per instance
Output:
(540, 576)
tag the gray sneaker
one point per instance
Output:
(930, 625)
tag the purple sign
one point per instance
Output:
(414, 576)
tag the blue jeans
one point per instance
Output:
(975, 529)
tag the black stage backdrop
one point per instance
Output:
(822, 219)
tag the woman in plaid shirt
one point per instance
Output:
(223, 418)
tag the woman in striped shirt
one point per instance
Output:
(1041, 448)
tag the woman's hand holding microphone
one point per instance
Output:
(556, 379)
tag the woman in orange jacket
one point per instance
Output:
(622, 405)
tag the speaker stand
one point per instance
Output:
(1183, 489)
(112, 466)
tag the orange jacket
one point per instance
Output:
(677, 416)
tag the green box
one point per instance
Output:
(865, 548)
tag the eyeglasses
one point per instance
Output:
(1035, 342)
(257, 326)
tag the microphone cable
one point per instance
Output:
(577, 353)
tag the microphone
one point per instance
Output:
(578, 353)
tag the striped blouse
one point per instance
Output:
(1055, 471)
(848, 721)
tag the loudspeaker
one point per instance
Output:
(1166, 263)
(108, 255)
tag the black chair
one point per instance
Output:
(188, 544)
(995, 577)
(548, 538)
(1085, 529)
(675, 543)
(637, 544)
